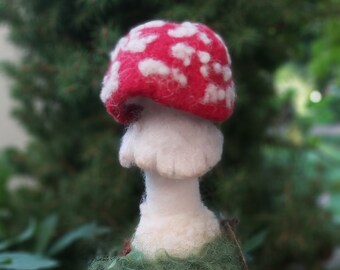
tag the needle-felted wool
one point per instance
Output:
(184, 66)
(169, 82)
(173, 218)
(176, 144)
(173, 148)
(220, 254)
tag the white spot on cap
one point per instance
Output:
(179, 77)
(231, 95)
(182, 51)
(204, 38)
(221, 94)
(204, 71)
(121, 43)
(228, 56)
(219, 38)
(210, 94)
(217, 68)
(227, 73)
(151, 66)
(186, 29)
(156, 23)
(214, 94)
(138, 44)
(204, 57)
(110, 82)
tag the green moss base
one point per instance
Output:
(217, 255)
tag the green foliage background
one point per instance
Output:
(267, 181)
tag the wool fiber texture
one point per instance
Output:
(185, 66)
(176, 144)
(220, 254)
(173, 218)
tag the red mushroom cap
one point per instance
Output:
(184, 66)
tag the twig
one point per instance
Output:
(229, 224)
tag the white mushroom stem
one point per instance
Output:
(173, 218)
(173, 149)
(166, 197)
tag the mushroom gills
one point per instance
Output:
(176, 144)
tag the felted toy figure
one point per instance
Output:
(169, 83)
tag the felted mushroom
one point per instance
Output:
(170, 83)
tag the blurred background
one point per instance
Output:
(64, 197)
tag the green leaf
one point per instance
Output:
(45, 233)
(83, 232)
(24, 261)
(22, 237)
(254, 242)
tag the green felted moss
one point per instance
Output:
(219, 254)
